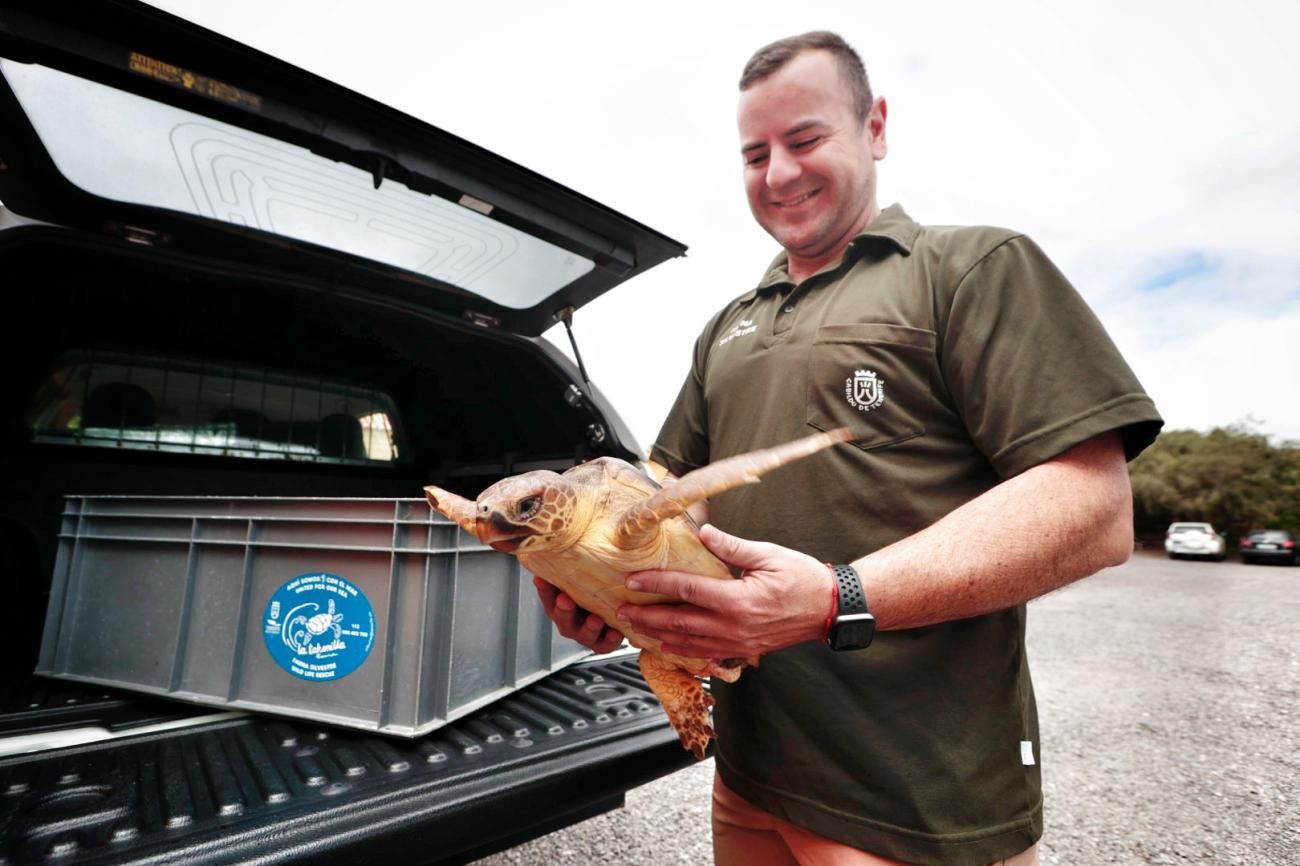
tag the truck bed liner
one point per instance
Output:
(266, 790)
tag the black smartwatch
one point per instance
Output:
(853, 626)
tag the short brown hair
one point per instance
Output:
(770, 58)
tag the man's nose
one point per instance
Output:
(782, 167)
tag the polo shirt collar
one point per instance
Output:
(892, 226)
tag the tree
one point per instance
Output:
(1232, 477)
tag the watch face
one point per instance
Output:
(853, 632)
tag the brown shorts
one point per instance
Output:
(744, 835)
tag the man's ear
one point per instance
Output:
(876, 128)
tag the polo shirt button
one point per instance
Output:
(789, 309)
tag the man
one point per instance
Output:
(993, 419)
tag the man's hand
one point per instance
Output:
(782, 598)
(575, 623)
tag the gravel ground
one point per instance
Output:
(1168, 700)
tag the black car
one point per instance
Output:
(227, 277)
(1268, 545)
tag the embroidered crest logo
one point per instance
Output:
(744, 329)
(864, 390)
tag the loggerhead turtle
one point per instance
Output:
(586, 529)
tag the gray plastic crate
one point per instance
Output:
(377, 614)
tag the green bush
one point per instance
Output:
(1232, 477)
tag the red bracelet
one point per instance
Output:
(835, 602)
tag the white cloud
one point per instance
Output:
(1217, 346)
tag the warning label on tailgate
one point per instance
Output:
(319, 626)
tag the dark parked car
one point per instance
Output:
(227, 277)
(1268, 545)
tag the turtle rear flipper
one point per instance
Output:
(641, 520)
(684, 700)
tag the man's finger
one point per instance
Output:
(671, 621)
(598, 636)
(574, 623)
(552, 598)
(608, 642)
(593, 624)
(705, 592)
(732, 549)
(547, 593)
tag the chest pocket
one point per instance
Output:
(874, 379)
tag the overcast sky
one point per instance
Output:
(1151, 148)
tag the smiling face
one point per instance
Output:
(534, 510)
(810, 163)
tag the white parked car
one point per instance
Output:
(1194, 539)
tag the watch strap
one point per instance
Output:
(852, 627)
(851, 597)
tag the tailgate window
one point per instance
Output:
(112, 400)
(122, 146)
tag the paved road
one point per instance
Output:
(1169, 700)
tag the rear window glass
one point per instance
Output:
(122, 146)
(166, 404)
(1269, 535)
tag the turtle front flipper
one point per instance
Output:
(684, 700)
(641, 520)
(458, 508)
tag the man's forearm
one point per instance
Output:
(1050, 525)
(1057, 522)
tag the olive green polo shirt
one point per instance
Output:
(959, 357)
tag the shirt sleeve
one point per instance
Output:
(1030, 368)
(683, 442)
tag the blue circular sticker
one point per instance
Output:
(319, 627)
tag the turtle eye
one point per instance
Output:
(528, 505)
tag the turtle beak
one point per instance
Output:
(494, 530)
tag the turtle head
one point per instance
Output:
(532, 512)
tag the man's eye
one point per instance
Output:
(806, 143)
(756, 160)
